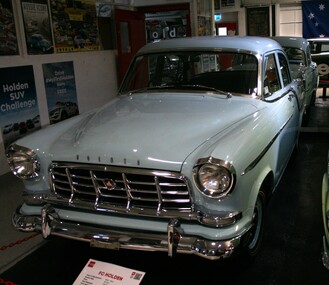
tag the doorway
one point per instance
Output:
(146, 24)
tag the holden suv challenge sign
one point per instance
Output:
(18, 103)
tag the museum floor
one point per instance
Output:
(291, 252)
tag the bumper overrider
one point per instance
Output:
(173, 242)
(325, 253)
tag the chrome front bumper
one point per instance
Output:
(173, 242)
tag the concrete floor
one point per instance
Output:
(14, 245)
(291, 252)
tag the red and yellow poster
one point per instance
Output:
(74, 26)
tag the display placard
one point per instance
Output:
(100, 273)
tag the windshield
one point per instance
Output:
(225, 72)
(296, 56)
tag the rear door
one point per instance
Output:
(286, 102)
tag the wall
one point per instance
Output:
(95, 75)
(291, 20)
(95, 79)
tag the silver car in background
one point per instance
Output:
(325, 216)
(320, 54)
(302, 66)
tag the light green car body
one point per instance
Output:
(325, 215)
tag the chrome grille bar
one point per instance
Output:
(112, 188)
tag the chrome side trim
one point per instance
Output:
(262, 153)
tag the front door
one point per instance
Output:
(130, 27)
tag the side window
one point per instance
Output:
(284, 68)
(313, 48)
(317, 48)
(271, 78)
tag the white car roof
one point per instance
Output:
(318, 39)
(252, 44)
(296, 42)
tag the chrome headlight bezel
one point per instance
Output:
(23, 161)
(214, 178)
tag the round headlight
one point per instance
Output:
(214, 180)
(22, 161)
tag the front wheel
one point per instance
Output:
(254, 238)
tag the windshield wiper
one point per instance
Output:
(181, 86)
(141, 90)
(228, 94)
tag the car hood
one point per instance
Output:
(153, 131)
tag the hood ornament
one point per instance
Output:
(109, 184)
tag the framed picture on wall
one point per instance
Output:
(217, 4)
(258, 21)
(228, 3)
(38, 33)
(8, 37)
(61, 92)
(75, 25)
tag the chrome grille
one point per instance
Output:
(120, 188)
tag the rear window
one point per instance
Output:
(319, 47)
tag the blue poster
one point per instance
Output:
(60, 90)
(18, 103)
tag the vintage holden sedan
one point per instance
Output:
(325, 217)
(183, 160)
(301, 64)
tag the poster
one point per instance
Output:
(74, 25)
(230, 28)
(217, 4)
(258, 21)
(104, 10)
(8, 37)
(19, 114)
(167, 25)
(37, 27)
(228, 3)
(60, 90)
